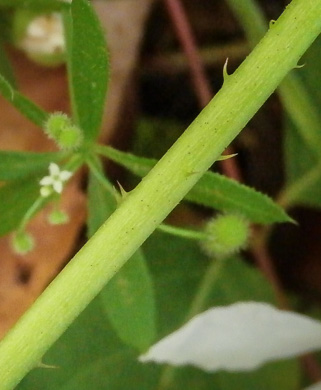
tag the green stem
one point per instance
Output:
(93, 165)
(250, 16)
(182, 232)
(292, 91)
(242, 94)
(292, 193)
(37, 205)
(211, 276)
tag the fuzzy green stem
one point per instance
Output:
(289, 196)
(242, 94)
(93, 164)
(292, 91)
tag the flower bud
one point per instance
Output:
(226, 234)
(22, 242)
(58, 217)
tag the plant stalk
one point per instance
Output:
(144, 208)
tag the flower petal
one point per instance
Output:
(47, 181)
(65, 175)
(238, 337)
(58, 186)
(54, 169)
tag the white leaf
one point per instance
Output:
(316, 386)
(238, 337)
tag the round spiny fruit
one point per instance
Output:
(60, 128)
(226, 234)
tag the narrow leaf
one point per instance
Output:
(89, 356)
(88, 67)
(128, 299)
(302, 163)
(18, 165)
(179, 259)
(5, 66)
(45, 5)
(239, 337)
(220, 192)
(16, 198)
(213, 190)
(27, 108)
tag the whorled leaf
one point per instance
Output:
(16, 198)
(88, 67)
(302, 164)
(128, 299)
(238, 337)
(5, 66)
(179, 259)
(17, 165)
(27, 108)
(213, 190)
(45, 5)
(89, 356)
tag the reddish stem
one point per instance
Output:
(199, 79)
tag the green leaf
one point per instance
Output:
(219, 192)
(303, 168)
(90, 356)
(45, 5)
(5, 66)
(282, 375)
(179, 260)
(128, 299)
(213, 190)
(15, 199)
(88, 67)
(18, 165)
(27, 108)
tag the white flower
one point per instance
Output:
(45, 35)
(55, 181)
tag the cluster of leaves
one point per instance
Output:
(137, 307)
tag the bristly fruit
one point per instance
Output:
(226, 234)
(60, 128)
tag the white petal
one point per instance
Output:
(316, 386)
(54, 169)
(47, 181)
(238, 337)
(65, 175)
(58, 186)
